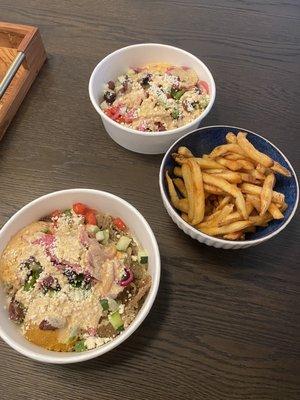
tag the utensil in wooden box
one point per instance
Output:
(22, 55)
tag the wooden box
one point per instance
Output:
(22, 54)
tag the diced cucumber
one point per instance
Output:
(45, 230)
(68, 213)
(80, 346)
(175, 113)
(92, 229)
(103, 236)
(123, 243)
(36, 267)
(116, 320)
(30, 283)
(104, 304)
(100, 236)
(106, 236)
(176, 94)
(112, 305)
(142, 257)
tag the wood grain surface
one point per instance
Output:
(225, 324)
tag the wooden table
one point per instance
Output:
(225, 324)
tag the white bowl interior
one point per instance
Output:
(118, 62)
(61, 200)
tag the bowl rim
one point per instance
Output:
(94, 101)
(212, 238)
(56, 357)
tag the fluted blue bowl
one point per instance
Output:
(202, 141)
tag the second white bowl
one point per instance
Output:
(116, 64)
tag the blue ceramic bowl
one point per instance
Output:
(202, 141)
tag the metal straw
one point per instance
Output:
(11, 73)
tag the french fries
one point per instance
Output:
(280, 169)
(226, 229)
(239, 235)
(225, 200)
(217, 218)
(233, 165)
(187, 177)
(230, 176)
(275, 211)
(204, 163)
(211, 189)
(229, 192)
(180, 186)
(266, 193)
(254, 189)
(198, 192)
(226, 148)
(233, 156)
(252, 152)
(228, 188)
(230, 137)
(180, 204)
(184, 151)
(177, 171)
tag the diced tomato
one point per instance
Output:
(113, 112)
(121, 119)
(80, 208)
(119, 223)
(90, 217)
(203, 86)
(169, 70)
(55, 214)
(125, 118)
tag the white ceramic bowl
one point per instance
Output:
(116, 63)
(63, 199)
(202, 141)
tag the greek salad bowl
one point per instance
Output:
(201, 143)
(142, 87)
(110, 288)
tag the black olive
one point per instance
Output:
(50, 283)
(78, 280)
(160, 126)
(145, 81)
(109, 96)
(16, 311)
(46, 326)
(111, 85)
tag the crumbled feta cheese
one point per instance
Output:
(189, 105)
(158, 93)
(92, 342)
(122, 79)
(171, 79)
